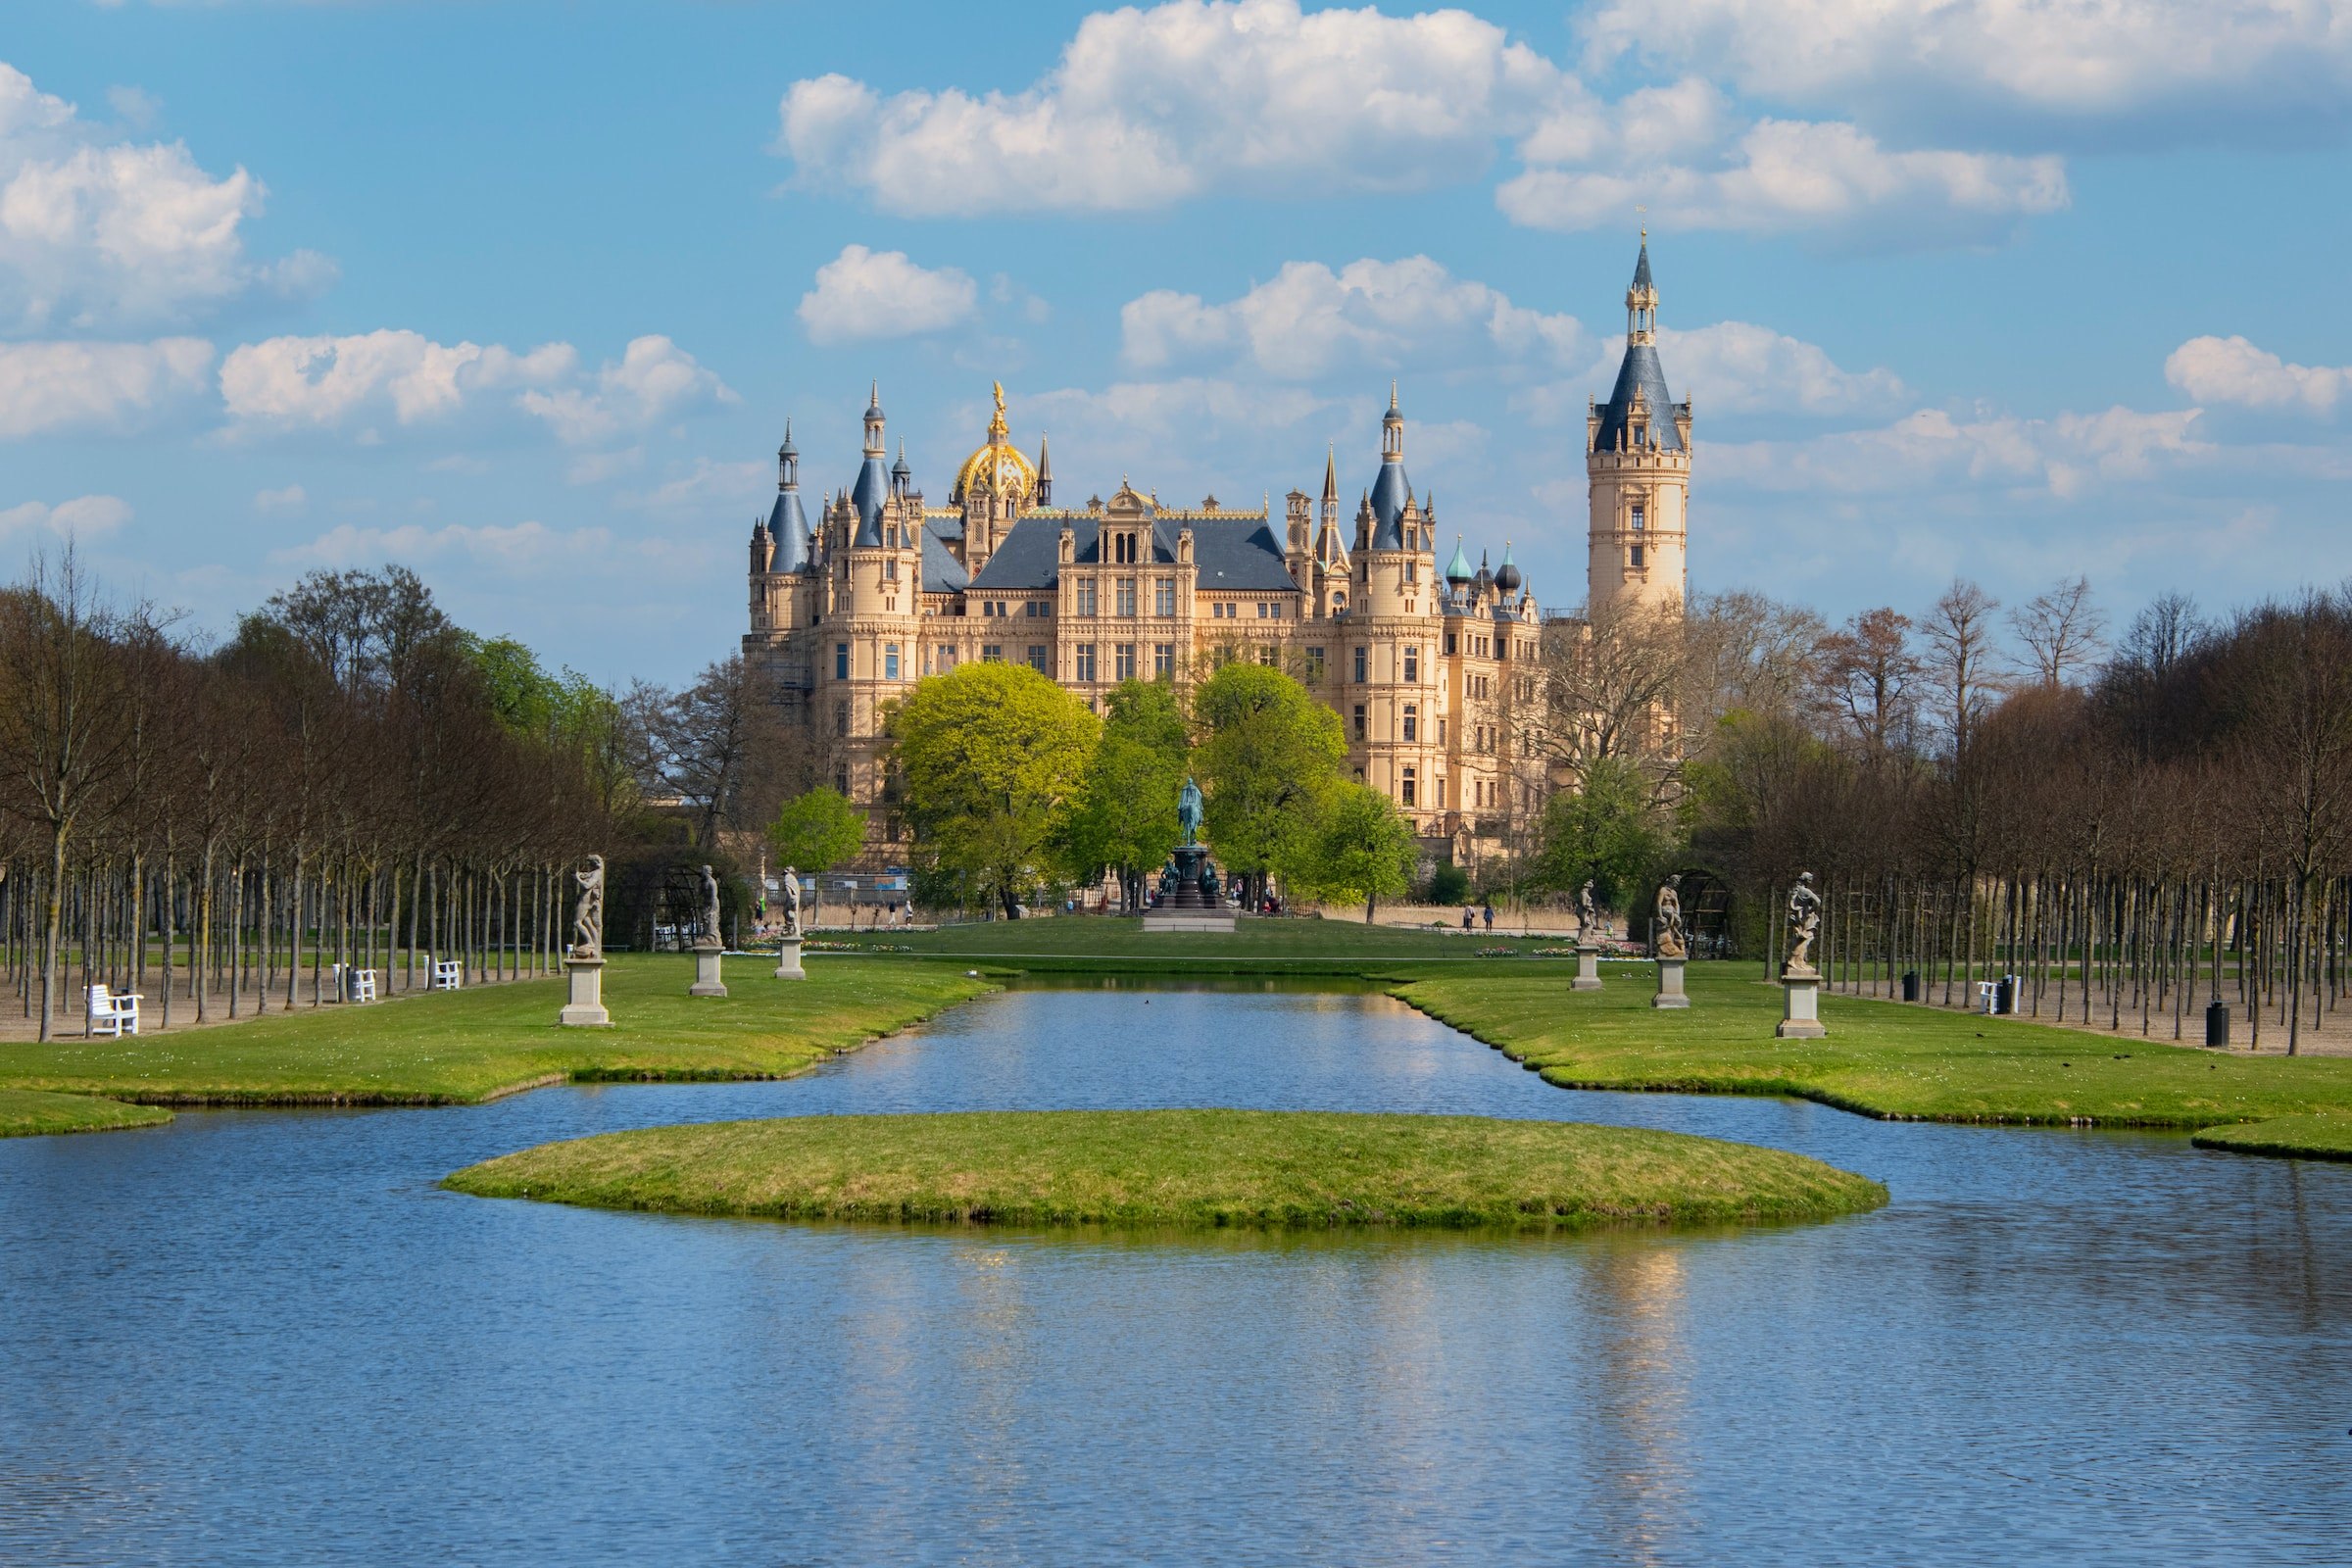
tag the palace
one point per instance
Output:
(1433, 672)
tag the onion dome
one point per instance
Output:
(1458, 570)
(1508, 578)
(997, 467)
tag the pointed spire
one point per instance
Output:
(1641, 301)
(1044, 472)
(1331, 472)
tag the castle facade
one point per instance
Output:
(1434, 671)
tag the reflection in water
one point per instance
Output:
(267, 1337)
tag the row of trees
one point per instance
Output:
(2131, 828)
(1013, 786)
(350, 779)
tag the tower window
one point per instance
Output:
(1314, 664)
(1636, 553)
(1359, 721)
(1413, 721)
(841, 718)
(1408, 784)
(1359, 672)
(890, 661)
(841, 660)
(1641, 516)
(1412, 665)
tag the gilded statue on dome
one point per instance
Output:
(997, 468)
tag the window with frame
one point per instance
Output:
(1086, 597)
(1408, 784)
(1449, 644)
(1314, 666)
(841, 660)
(1412, 665)
(1641, 516)
(1266, 654)
(1413, 721)
(841, 781)
(947, 656)
(1635, 557)
(1362, 658)
(1163, 661)
(1086, 663)
(1122, 661)
(1126, 596)
(890, 661)
(1040, 658)
(1163, 597)
(841, 718)
(991, 653)
(1359, 721)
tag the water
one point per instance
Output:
(264, 1337)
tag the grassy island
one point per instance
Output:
(462, 1046)
(1179, 1168)
(1881, 1059)
(2297, 1137)
(25, 1112)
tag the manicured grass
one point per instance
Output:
(1881, 1059)
(1181, 1168)
(466, 1046)
(25, 1112)
(1274, 946)
(2323, 1137)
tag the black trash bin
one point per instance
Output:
(1910, 985)
(2004, 994)
(2216, 1023)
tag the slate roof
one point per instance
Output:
(788, 525)
(1390, 492)
(943, 573)
(1236, 555)
(1639, 370)
(867, 496)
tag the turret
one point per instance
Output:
(873, 483)
(1637, 463)
(1045, 473)
(787, 523)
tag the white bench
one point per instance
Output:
(110, 1010)
(449, 974)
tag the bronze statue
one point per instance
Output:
(1804, 922)
(1671, 940)
(1188, 812)
(588, 921)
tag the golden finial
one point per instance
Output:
(995, 423)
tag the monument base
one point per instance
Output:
(1186, 921)
(1800, 1007)
(586, 1008)
(706, 980)
(1670, 985)
(788, 962)
(1588, 969)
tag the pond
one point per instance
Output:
(264, 1337)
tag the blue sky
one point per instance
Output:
(520, 294)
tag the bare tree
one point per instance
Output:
(1962, 658)
(1875, 673)
(1609, 686)
(2063, 632)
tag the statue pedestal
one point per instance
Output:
(706, 980)
(1670, 984)
(788, 960)
(586, 1008)
(1588, 969)
(1801, 1006)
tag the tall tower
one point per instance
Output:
(1637, 460)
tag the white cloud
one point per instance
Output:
(327, 382)
(1740, 367)
(83, 518)
(2058, 60)
(1931, 450)
(510, 548)
(2232, 370)
(138, 108)
(96, 232)
(1150, 107)
(864, 294)
(50, 387)
(292, 497)
(708, 485)
(1782, 175)
(1309, 320)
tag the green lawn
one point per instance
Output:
(465, 1046)
(1279, 945)
(27, 1112)
(2320, 1137)
(1186, 1168)
(1881, 1059)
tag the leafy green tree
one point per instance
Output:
(1124, 816)
(814, 832)
(1610, 833)
(1358, 846)
(1269, 755)
(990, 757)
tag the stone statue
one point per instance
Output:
(710, 936)
(1188, 812)
(1208, 878)
(1587, 917)
(1804, 922)
(1671, 942)
(588, 921)
(792, 902)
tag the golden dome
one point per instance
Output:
(997, 467)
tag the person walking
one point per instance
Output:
(1467, 920)
(1490, 919)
